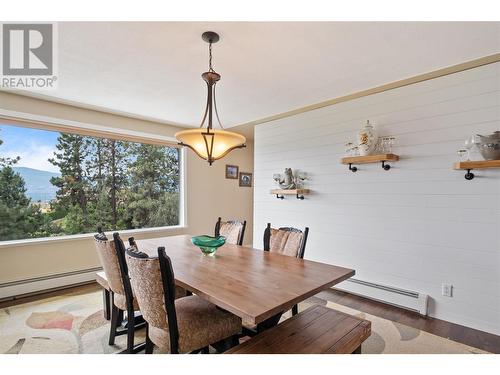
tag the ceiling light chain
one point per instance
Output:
(210, 68)
(210, 57)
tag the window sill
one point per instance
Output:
(86, 236)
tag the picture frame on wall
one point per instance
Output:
(232, 171)
(245, 179)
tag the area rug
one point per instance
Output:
(75, 324)
(63, 324)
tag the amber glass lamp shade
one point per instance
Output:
(210, 144)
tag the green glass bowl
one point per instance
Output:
(208, 244)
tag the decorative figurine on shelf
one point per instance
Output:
(300, 179)
(288, 182)
(367, 139)
(277, 179)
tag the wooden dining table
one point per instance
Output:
(250, 283)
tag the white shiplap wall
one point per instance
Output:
(416, 226)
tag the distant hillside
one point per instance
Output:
(38, 183)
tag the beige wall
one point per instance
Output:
(208, 196)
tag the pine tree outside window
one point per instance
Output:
(56, 184)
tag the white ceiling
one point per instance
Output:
(153, 70)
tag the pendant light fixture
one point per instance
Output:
(208, 143)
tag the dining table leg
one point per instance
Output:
(269, 322)
(226, 344)
(262, 326)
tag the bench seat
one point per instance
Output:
(317, 330)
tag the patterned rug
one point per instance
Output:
(75, 324)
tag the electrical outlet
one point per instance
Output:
(447, 290)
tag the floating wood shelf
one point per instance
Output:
(478, 164)
(369, 159)
(383, 158)
(299, 193)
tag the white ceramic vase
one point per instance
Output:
(367, 139)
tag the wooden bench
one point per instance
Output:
(100, 278)
(317, 330)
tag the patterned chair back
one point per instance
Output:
(233, 230)
(286, 241)
(154, 285)
(145, 278)
(106, 250)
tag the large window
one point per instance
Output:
(54, 184)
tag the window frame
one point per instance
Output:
(28, 120)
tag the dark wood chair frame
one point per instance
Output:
(274, 320)
(242, 234)
(300, 254)
(302, 249)
(167, 277)
(168, 283)
(133, 322)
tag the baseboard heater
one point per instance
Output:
(406, 299)
(14, 289)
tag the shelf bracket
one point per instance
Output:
(301, 197)
(469, 175)
(386, 167)
(280, 196)
(351, 168)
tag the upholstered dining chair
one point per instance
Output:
(233, 230)
(286, 241)
(112, 256)
(185, 325)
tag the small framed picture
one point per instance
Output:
(232, 171)
(245, 179)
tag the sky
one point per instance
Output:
(32, 145)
